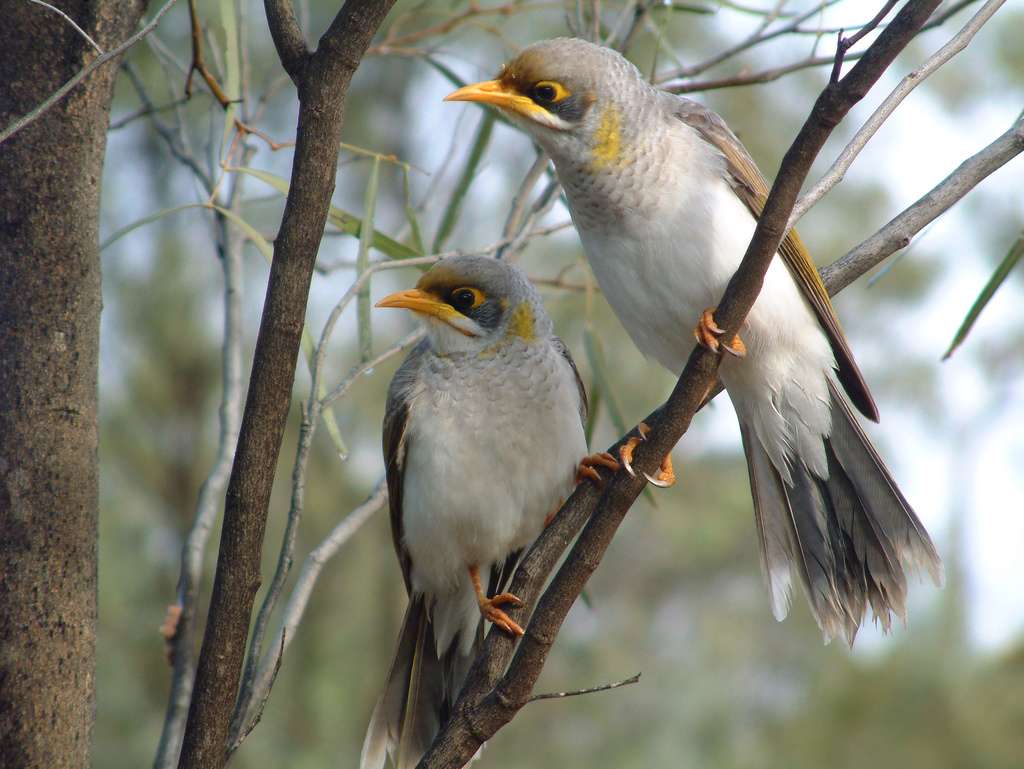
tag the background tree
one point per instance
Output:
(49, 357)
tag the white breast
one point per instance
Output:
(490, 454)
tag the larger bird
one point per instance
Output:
(483, 438)
(665, 200)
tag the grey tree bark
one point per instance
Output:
(50, 304)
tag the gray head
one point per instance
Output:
(475, 303)
(575, 98)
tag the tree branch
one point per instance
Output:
(898, 233)
(83, 73)
(482, 708)
(323, 88)
(835, 174)
(284, 29)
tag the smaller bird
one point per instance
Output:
(483, 440)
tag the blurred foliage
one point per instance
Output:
(679, 595)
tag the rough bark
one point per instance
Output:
(49, 351)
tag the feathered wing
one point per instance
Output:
(849, 537)
(750, 186)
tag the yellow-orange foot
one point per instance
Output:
(587, 465)
(489, 606)
(666, 477)
(707, 332)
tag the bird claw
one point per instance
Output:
(707, 332)
(490, 612)
(665, 478)
(656, 482)
(626, 452)
(587, 464)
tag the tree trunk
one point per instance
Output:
(50, 303)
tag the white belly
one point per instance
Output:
(661, 267)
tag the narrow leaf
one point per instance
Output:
(451, 214)
(146, 220)
(345, 221)
(363, 262)
(1002, 271)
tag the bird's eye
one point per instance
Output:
(463, 299)
(546, 92)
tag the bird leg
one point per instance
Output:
(489, 606)
(707, 332)
(666, 477)
(587, 465)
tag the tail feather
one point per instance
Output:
(848, 536)
(418, 696)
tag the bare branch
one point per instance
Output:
(71, 21)
(323, 88)
(231, 245)
(898, 233)
(342, 533)
(288, 39)
(578, 692)
(835, 174)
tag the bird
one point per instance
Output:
(665, 199)
(483, 438)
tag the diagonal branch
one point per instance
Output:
(484, 707)
(898, 232)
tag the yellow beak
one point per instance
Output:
(419, 301)
(493, 92)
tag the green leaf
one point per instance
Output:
(345, 221)
(1002, 271)
(451, 214)
(250, 232)
(410, 213)
(330, 420)
(595, 356)
(363, 262)
(146, 220)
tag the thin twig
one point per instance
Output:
(307, 579)
(71, 21)
(835, 174)
(578, 692)
(898, 233)
(198, 65)
(230, 243)
(33, 115)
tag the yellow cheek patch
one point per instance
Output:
(522, 324)
(608, 140)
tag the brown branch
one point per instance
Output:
(323, 83)
(198, 65)
(484, 707)
(284, 29)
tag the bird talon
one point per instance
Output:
(626, 452)
(666, 476)
(707, 332)
(657, 482)
(489, 606)
(601, 459)
(490, 612)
